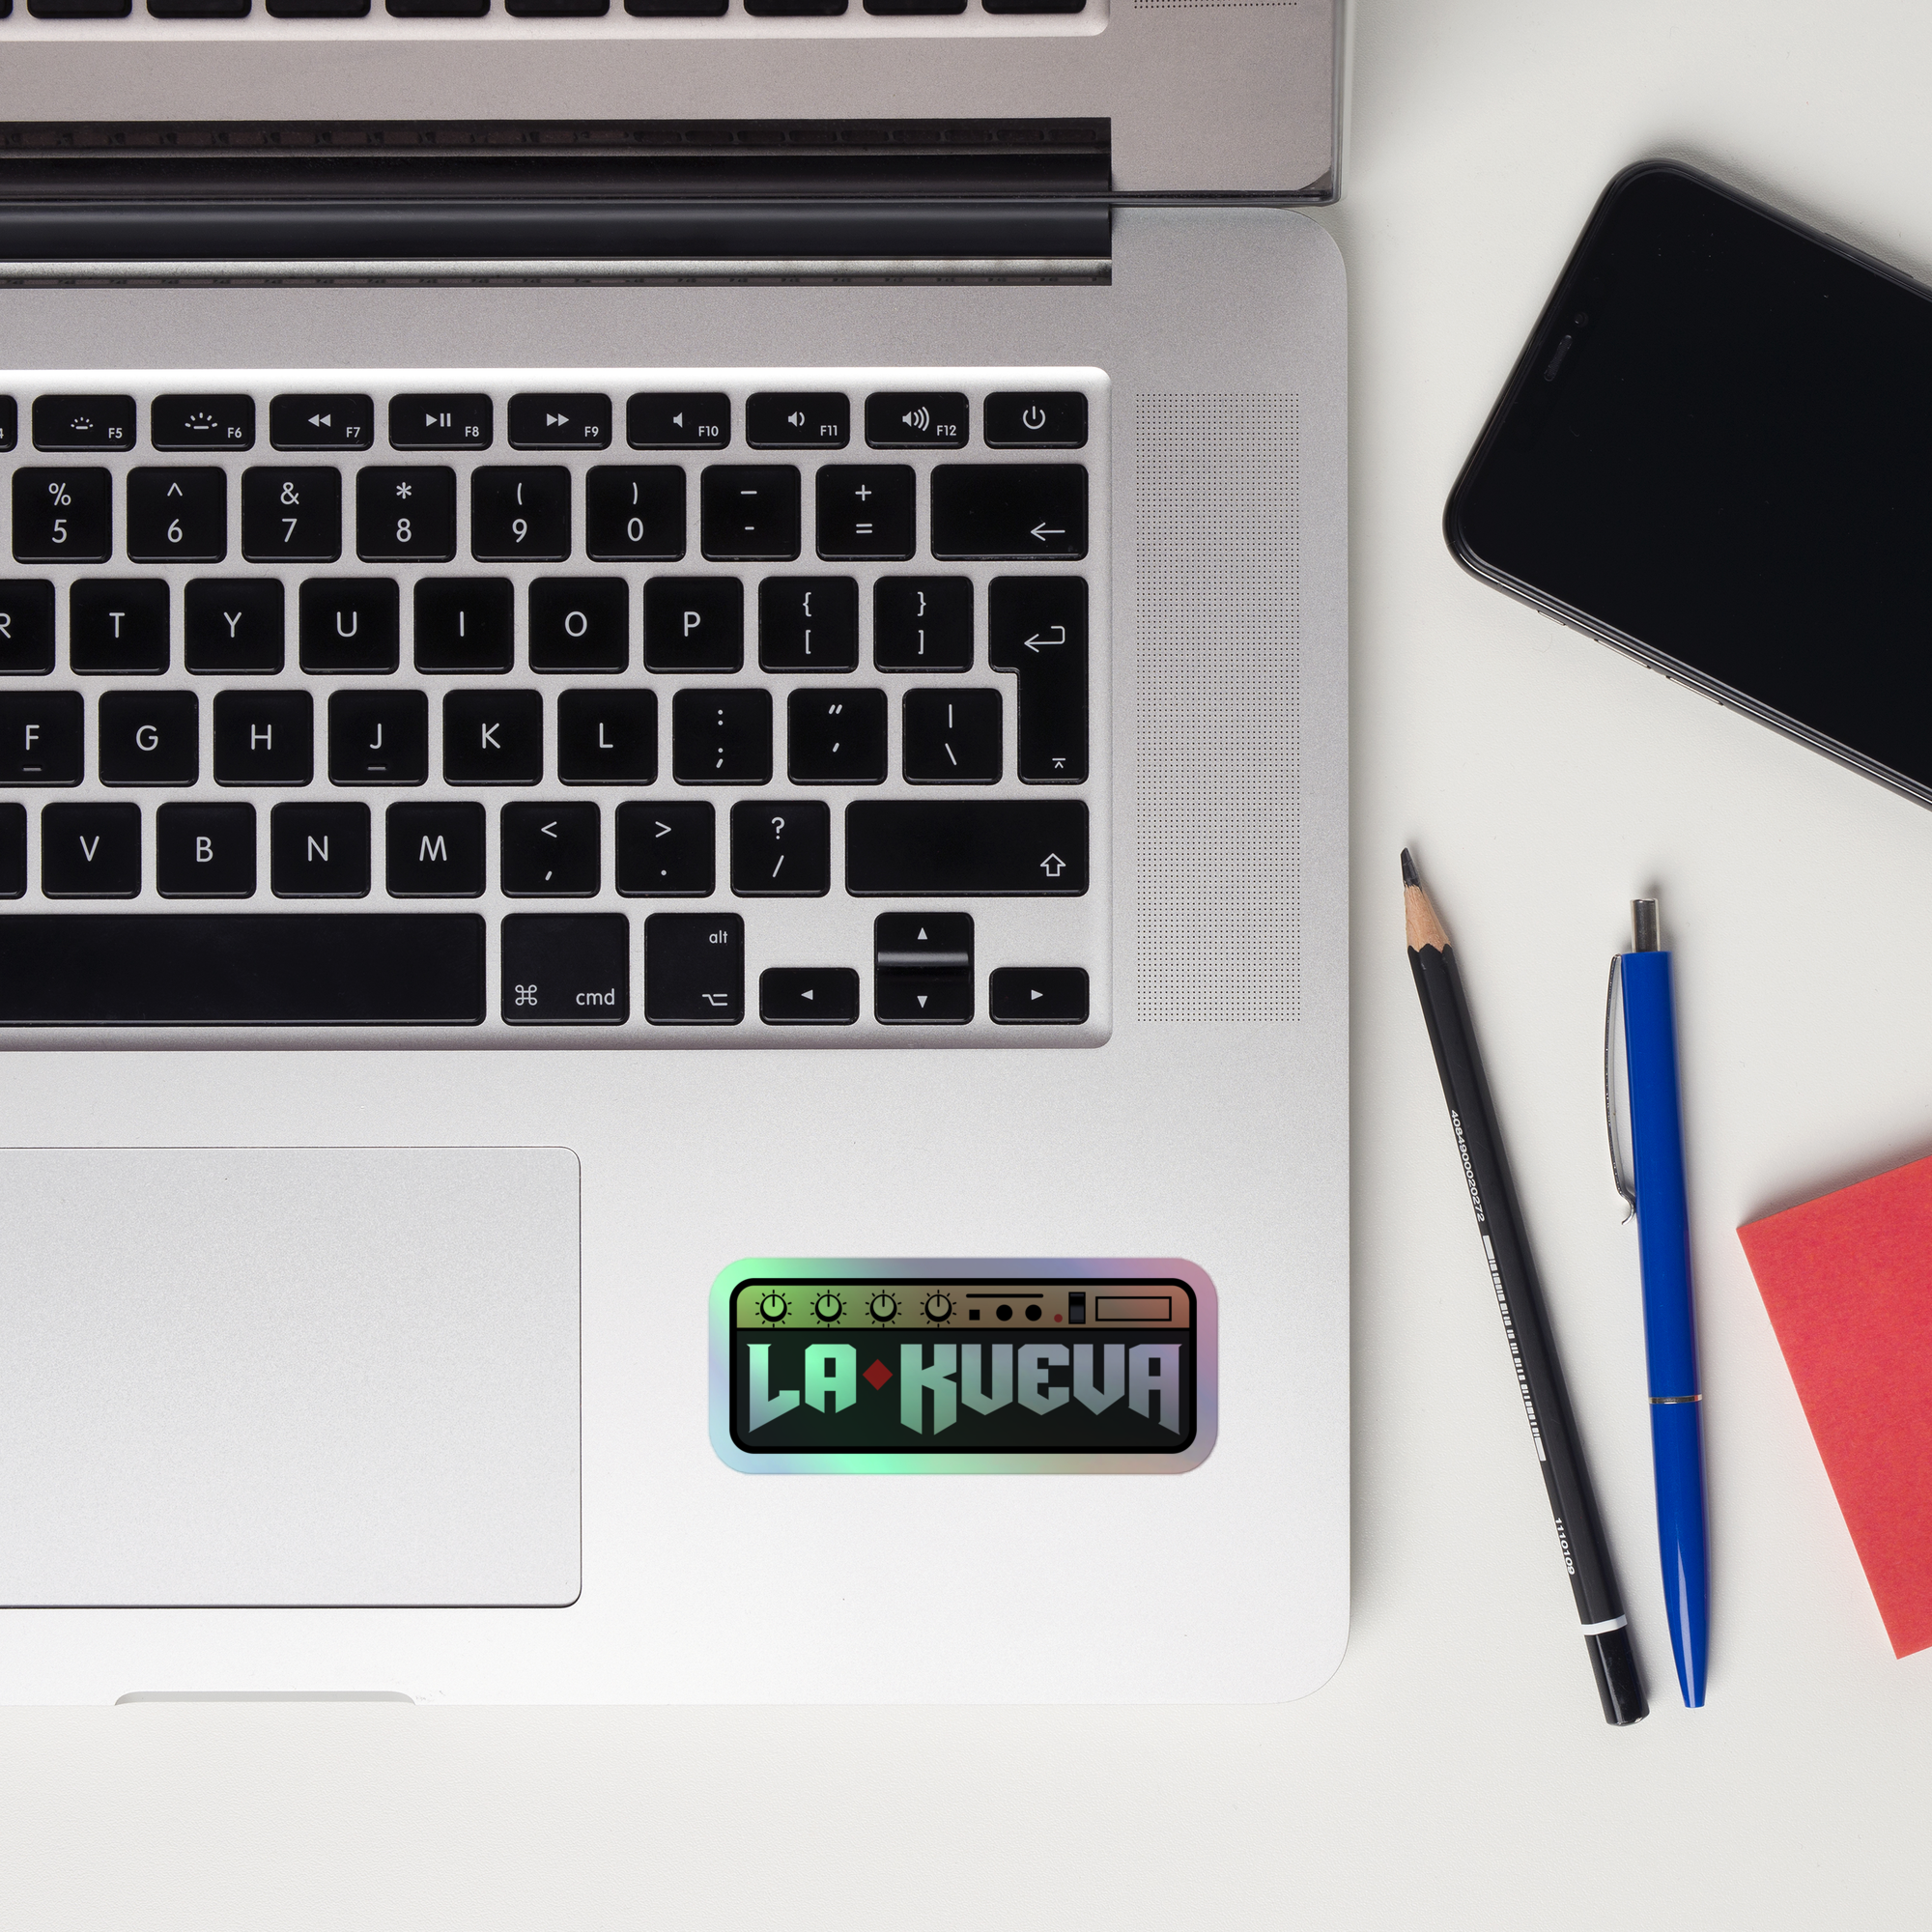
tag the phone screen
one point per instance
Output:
(1716, 452)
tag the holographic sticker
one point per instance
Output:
(949, 1367)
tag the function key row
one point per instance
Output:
(123, 626)
(496, 737)
(773, 419)
(864, 512)
(779, 848)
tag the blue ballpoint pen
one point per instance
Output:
(1669, 1329)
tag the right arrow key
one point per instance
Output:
(1009, 510)
(1038, 996)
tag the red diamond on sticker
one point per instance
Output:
(878, 1374)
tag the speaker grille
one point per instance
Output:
(1217, 697)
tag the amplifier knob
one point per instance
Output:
(938, 1307)
(883, 1307)
(828, 1308)
(773, 1308)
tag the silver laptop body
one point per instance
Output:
(939, 1288)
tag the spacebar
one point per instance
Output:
(241, 969)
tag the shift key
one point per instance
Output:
(1009, 510)
(966, 848)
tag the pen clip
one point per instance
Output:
(1625, 1191)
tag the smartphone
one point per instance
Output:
(1716, 453)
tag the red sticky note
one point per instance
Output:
(1847, 1281)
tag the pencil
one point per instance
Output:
(1539, 1375)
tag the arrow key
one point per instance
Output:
(1038, 996)
(808, 996)
(550, 851)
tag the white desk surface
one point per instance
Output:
(1456, 1771)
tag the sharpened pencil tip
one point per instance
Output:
(1408, 877)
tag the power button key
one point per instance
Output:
(1036, 419)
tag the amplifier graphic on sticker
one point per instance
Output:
(953, 1367)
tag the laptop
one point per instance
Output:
(674, 814)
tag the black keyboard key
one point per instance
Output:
(201, 422)
(84, 422)
(634, 511)
(749, 511)
(41, 740)
(1035, 418)
(952, 737)
(866, 511)
(780, 9)
(378, 737)
(1038, 996)
(439, 422)
(205, 851)
(925, 419)
(667, 851)
(675, 9)
(580, 623)
(63, 516)
(349, 624)
(923, 623)
(551, 851)
(914, 5)
(322, 422)
(808, 996)
(264, 737)
(150, 737)
(177, 516)
(118, 624)
(405, 514)
(607, 737)
(685, 419)
(13, 851)
(91, 851)
(318, 9)
(721, 737)
(835, 737)
(233, 624)
(1036, 627)
(241, 968)
(694, 623)
(782, 848)
(319, 851)
(80, 10)
(560, 421)
(1036, 7)
(808, 623)
(435, 851)
(566, 969)
(980, 847)
(1009, 510)
(694, 969)
(798, 420)
(465, 623)
(922, 968)
(492, 737)
(10, 422)
(438, 9)
(520, 513)
(292, 516)
(27, 627)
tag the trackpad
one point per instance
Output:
(316, 1375)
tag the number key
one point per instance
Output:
(635, 510)
(406, 513)
(292, 516)
(520, 513)
(63, 516)
(177, 514)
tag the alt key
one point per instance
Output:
(1038, 996)
(808, 996)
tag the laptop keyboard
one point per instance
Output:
(615, 708)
